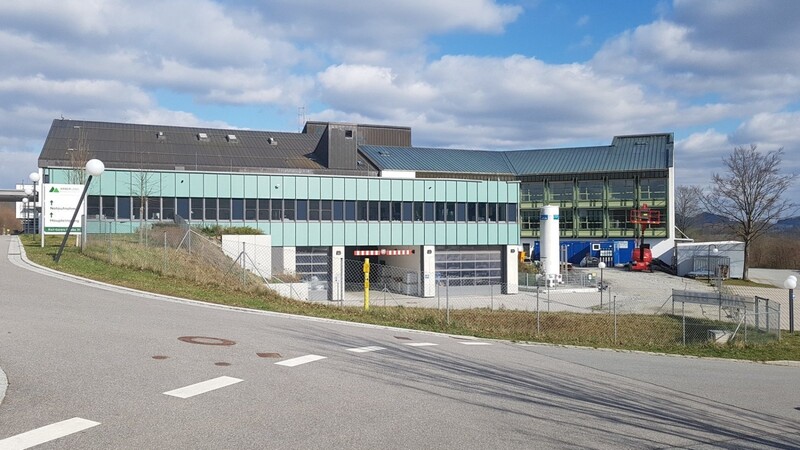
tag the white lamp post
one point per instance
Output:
(25, 208)
(601, 265)
(94, 168)
(34, 177)
(790, 284)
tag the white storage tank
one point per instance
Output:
(549, 251)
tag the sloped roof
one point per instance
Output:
(626, 153)
(427, 159)
(121, 145)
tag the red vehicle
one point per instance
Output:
(642, 256)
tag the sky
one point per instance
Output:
(474, 74)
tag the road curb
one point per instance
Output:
(3, 385)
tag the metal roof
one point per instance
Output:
(626, 153)
(426, 159)
(121, 145)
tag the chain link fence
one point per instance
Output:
(579, 311)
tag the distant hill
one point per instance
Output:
(789, 225)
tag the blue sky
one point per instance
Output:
(462, 73)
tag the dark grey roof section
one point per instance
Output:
(626, 153)
(444, 160)
(158, 147)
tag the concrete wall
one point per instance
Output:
(257, 257)
(284, 260)
(428, 271)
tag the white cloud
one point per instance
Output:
(582, 21)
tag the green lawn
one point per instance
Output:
(133, 267)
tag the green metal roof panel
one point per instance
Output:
(426, 159)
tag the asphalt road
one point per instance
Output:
(109, 363)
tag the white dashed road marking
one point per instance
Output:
(203, 387)
(301, 360)
(421, 344)
(47, 433)
(475, 343)
(373, 348)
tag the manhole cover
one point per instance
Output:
(222, 364)
(269, 355)
(160, 357)
(203, 340)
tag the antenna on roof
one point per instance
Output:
(301, 117)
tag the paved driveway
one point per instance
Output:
(96, 367)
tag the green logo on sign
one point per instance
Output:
(53, 189)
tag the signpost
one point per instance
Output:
(58, 206)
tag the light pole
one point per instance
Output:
(34, 177)
(94, 167)
(711, 248)
(790, 284)
(25, 210)
(601, 265)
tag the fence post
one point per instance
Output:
(745, 324)
(683, 313)
(758, 325)
(615, 319)
(447, 301)
(491, 296)
(244, 265)
(165, 254)
(538, 320)
(766, 308)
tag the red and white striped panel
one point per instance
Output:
(382, 252)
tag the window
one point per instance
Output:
(491, 212)
(429, 216)
(138, 209)
(450, 211)
(408, 211)
(653, 189)
(197, 209)
(263, 209)
(288, 209)
(397, 211)
(532, 192)
(237, 209)
(419, 208)
(481, 207)
(561, 191)
(361, 210)
(565, 219)
(338, 210)
(590, 190)
(168, 208)
(92, 206)
(372, 208)
(461, 212)
(109, 208)
(325, 209)
(224, 209)
(348, 134)
(124, 208)
(210, 208)
(183, 207)
(502, 215)
(440, 212)
(384, 211)
(529, 219)
(590, 219)
(621, 190)
(472, 212)
(302, 210)
(350, 210)
(313, 210)
(276, 208)
(154, 208)
(618, 219)
(250, 212)
(512, 212)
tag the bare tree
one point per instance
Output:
(143, 186)
(750, 194)
(78, 156)
(687, 207)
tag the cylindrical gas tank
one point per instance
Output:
(549, 252)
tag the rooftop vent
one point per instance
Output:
(161, 136)
(231, 138)
(272, 141)
(203, 137)
(383, 153)
(640, 143)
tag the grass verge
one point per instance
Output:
(635, 332)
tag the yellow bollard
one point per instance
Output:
(366, 284)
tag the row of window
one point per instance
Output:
(165, 208)
(593, 190)
(587, 219)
